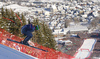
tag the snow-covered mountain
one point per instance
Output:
(62, 0)
(96, 1)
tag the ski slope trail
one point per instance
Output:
(86, 49)
(9, 53)
(40, 54)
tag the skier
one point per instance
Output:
(27, 31)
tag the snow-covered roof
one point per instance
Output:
(94, 31)
(17, 8)
(31, 0)
(52, 0)
(96, 0)
(58, 31)
(1, 4)
(72, 23)
(71, 29)
(51, 27)
(77, 28)
(53, 23)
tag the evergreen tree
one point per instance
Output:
(23, 19)
(43, 36)
(3, 21)
(12, 27)
(7, 13)
(36, 33)
(48, 36)
(2, 11)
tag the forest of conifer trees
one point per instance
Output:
(11, 23)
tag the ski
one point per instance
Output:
(27, 45)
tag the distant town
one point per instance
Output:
(66, 18)
(61, 17)
(71, 16)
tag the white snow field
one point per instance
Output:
(9, 53)
(85, 50)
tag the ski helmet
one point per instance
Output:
(37, 27)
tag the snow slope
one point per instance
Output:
(9, 53)
(85, 50)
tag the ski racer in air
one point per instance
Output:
(27, 31)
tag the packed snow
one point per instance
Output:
(9, 53)
(85, 50)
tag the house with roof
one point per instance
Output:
(73, 29)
